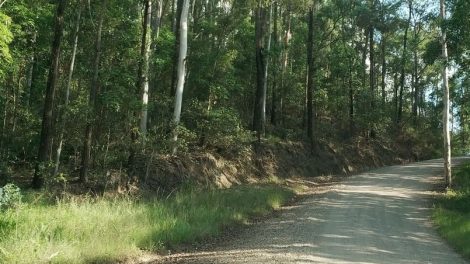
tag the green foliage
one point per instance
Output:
(452, 213)
(220, 127)
(5, 38)
(220, 85)
(10, 197)
(88, 230)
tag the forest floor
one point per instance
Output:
(380, 216)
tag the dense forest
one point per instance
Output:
(88, 86)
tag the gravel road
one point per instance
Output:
(382, 216)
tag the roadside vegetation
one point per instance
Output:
(452, 213)
(90, 230)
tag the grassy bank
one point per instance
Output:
(452, 213)
(99, 230)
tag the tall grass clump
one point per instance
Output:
(452, 213)
(91, 230)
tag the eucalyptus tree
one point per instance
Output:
(403, 64)
(181, 74)
(144, 65)
(261, 31)
(445, 99)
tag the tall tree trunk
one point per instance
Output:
(446, 101)
(92, 101)
(372, 74)
(395, 96)
(463, 122)
(266, 68)
(403, 66)
(68, 85)
(157, 18)
(177, 50)
(384, 69)
(181, 71)
(415, 75)
(32, 64)
(351, 99)
(145, 65)
(310, 73)
(364, 57)
(260, 95)
(285, 62)
(276, 61)
(372, 66)
(47, 119)
(415, 85)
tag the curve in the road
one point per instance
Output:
(382, 216)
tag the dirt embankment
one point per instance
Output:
(265, 161)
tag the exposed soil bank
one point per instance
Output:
(268, 161)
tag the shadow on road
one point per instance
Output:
(377, 217)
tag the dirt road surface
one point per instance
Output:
(382, 216)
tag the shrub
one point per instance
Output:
(10, 197)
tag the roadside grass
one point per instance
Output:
(109, 230)
(452, 213)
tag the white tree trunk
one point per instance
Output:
(2, 3)
(446, 101)
(181, 70)
(266, 69)
(144, 78)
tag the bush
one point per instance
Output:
(10, 197)
(221, 127)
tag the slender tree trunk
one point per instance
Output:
(260, 95)
(446, 115)
(364, 57)
(310, 73)
(266, 69)
(177, 49)
(463, 124)
(351, 100)
(384, 69)
(415, 77)
(92, 102)
(372, 66)
(68, 85)
(47, 119)
(403, 66)
(285, 62)
(145, 65)
(32, 64)
(372, 75)
(174, 3)
(181, 71)
(276, 60)
(157, 19)
(395, 96)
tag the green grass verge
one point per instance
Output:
(105, 231)
(452, 213)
